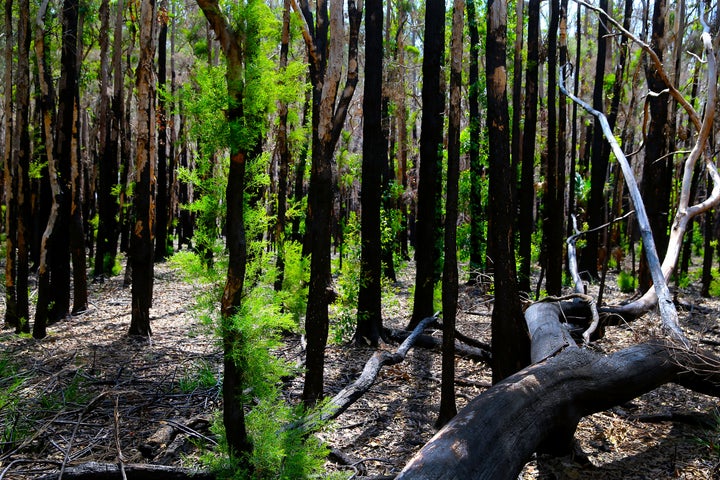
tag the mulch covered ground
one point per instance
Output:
(90, 393)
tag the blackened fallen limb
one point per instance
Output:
(350, 394)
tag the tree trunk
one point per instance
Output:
(369, 313)
(77, 226)
(597, 205)
(21, 146)
(402, 140)
(448, 408)
(141, 241)
(10, 180)
(510, 342)
(233, 405)
(554, 213)
(163, 192)
(657, 168)
(526, 193)
(283, 155)
(65, 150)
(328, 118)
(428, 240)
(47, 112)
(497, 432)
(107, 163)
(477, 170)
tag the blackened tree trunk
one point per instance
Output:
(10, 179)
(163, 191)
(65, 150)
(21, 146)
(554, 212)
(516, 142)
(47, 112)
(117, 130)
(369, 315)
(510, 341)
(427, 228)
(328, 118)
(448, 408)
(477, 170)
(401, 128)
(657, 171)
(299, 172)
(526, 194)
(234, 46)
(107, 162)
(77, 179)
(141, 240)
(283, 155)
(597, 205)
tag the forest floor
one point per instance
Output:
(88, 392)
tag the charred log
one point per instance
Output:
(112, 471)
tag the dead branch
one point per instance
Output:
(685, 212)
(432, 342)
(350, 394)
(667, 308)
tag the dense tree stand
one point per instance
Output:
(538, 408)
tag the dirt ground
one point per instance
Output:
(91, 393)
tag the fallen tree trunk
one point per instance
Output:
(538, 408)
(133, 471)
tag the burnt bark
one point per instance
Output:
(477, 170)
(428, 240)
(526, 192)
(510, 342)
(77, 181)
(141, 241)
(107, 159)
(21, 148)
(328, 117)
(283, 156)
(65, 149)
(539, 407)
(448, 408)
(597, 205)
(162, 203)
(9, 179)
(553, 211)
(47, 112)
(374, 161)
(657, 175)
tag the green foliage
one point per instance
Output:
(582, 188)
(278, 452)
(627, 283)
(714, 289)
(200, 377)
(15, 426)
(344, 311)
(36, 169)
(293, 295)
(71, 394)
(710, 438)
